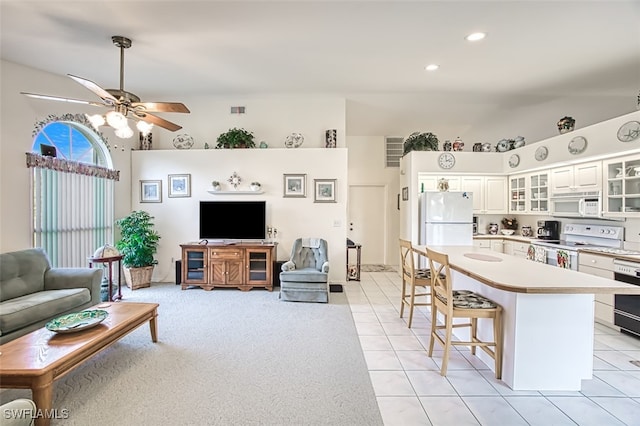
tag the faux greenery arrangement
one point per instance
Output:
(417, 141)
(139, 241)
(236, 138)
(509, 223)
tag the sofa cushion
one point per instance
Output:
(32, 308)
(22, 272)
(309, 275)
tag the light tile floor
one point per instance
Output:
(410, 390)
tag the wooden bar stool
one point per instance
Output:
(412, 277)
(461, 304)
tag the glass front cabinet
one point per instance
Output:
(539, 192)
(622, 186)
(517, 194)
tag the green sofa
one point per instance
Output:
(32, 292)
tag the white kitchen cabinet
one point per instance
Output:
(538, 193)
(517, 193)
(515, 248)
(584, 177)
(601, 266)
(483, 244)
(488, 193)
(622, 187)
(497, 245)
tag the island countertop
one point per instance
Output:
(518, 275)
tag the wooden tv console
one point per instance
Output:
(242, 265)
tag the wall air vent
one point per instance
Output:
(393, 150)
(237, 110)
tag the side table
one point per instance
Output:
(353, 271)
(109, 261)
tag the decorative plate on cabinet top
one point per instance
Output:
(503, 145)
(541, 153)
(77, 321)
(514, 160)
(629, 131)
(183, 141)
(294, 140)
(577, 145)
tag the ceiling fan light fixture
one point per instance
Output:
(116, 120)
(124, 132)
(144, 127)
(96, 120)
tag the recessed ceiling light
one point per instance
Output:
(475, 36)
(432, 67)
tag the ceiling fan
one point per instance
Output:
(122, 102)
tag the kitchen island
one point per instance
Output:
(548, 315)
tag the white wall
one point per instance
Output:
(177, 218)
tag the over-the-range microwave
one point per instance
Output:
(577, 204)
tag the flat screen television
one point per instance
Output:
(233, 220)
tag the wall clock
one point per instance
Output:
(541, 153)
(577, 145)
(629, 131)
(514, 160)
(446, 160)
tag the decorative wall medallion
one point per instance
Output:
(446, 160)
(514, 160)
(542, 153)
(234, 180)
(577, 145)
(629, 131)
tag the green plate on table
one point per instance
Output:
(77, 321)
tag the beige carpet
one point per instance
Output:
(225, 357)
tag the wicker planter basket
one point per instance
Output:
(138, 277)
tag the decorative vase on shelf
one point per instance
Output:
(566, 124)
(215, 186)
(255, 186)
(331, 138)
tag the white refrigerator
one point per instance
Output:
(446, 218)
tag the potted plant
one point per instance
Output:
(255, 186)
(236, 138)
(215, 185)
(417, 141)
(138, 244)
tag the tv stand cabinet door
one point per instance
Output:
(259, 267)
(226, 266)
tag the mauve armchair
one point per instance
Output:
(305, 276)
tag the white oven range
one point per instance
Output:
(602, 238)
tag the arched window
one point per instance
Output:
(73, 194)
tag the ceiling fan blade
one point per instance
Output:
(161, 106)
(154, 119)
(107, 97)
(58, 98)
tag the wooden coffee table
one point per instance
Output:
(35, 360)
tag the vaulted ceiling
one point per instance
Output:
(536, 54)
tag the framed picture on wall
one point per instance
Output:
(295, 185)
(150, 191)
(179, 186)
(324, 191)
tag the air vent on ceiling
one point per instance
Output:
(237, 110)
(393, 150)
